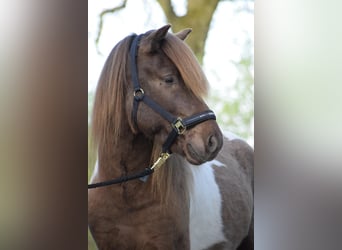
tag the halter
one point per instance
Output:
(179, 125)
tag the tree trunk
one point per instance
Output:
(198, 17)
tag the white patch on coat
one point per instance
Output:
(206, 226)
(217, 163)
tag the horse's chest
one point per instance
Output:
(206, 226)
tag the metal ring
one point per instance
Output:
(139, 94)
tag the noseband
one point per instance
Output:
(179, 125)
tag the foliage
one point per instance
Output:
(199, 14)
(91, 163)
(235, 105)
(90, 104)
(91, 242)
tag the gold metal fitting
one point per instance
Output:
(160, 161)
(179, 126)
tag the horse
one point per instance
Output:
(201, 196)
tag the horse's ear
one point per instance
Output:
(154, 39)
(183, 34)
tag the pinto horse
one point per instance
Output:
(202, 196)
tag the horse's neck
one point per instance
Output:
(131, 154)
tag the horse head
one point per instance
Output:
(169, 75)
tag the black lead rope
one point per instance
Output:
(141, 175)
(179, 125)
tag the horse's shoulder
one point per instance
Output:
(237, 151)
(243, 153)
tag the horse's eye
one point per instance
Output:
(169, 79)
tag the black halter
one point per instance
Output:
(179, 125)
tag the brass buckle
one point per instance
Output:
(179, 126)
(160, 161)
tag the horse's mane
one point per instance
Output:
(108, 111)
(184, 59)
(109, 105)
(172, 179)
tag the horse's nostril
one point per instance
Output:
(212, 143)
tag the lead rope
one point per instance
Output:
(143, 175)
